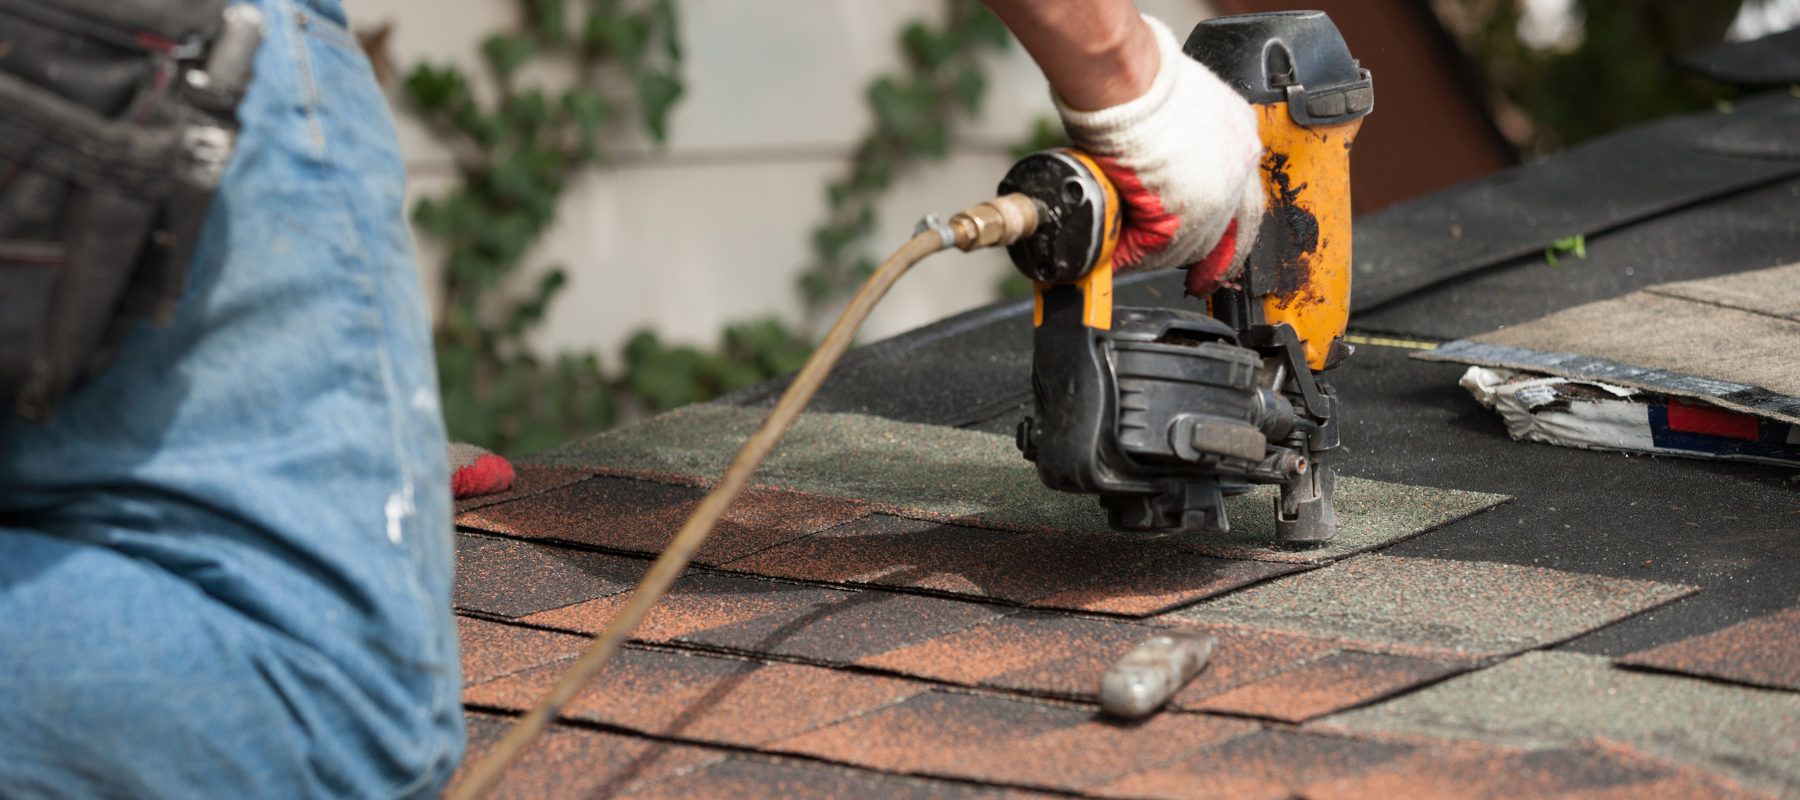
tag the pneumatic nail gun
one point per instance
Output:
(1164, 412)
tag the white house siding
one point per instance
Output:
(714, 227)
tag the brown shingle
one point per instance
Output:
(641, 517)
(703, 698)
(1033, 652)
(846, 628)
(1344, 679)
(750, 778)
(1759, 652)
(1267, 765)
(492, 649)
(695, 602)
(979, 562)
(1163, 584)
(511, 578)
(1246, 655)
(762, 616)
(575, 764)
(997, 740)
(1466, 771)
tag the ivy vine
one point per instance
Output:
(914, 113)
(516, 152)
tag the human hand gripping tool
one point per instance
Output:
(1164, 412)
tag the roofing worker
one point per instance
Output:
(225, 559)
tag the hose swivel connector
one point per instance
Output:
(998, 222)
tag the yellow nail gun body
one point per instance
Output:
(1164, 412)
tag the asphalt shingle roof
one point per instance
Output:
(900, 609)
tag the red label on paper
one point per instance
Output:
(1701, 418)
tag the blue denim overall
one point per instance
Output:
(225, 565)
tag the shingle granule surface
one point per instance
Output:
(703, 698)
(575, 764)
(1587, 771)
(992, 739)
(1283, 764)
(643, 516)
(1552, 699)
(1344, 679)
(753, 778)
(1244, 656)
(493, 649)
(731, 612)
(1162, 584)
(1759, 652)
(695, 602)
(981, 476)
(1029, 652)
(1266, 764)
(1428, 606)
(511, 578)
(1015, 566)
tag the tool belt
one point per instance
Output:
(116, 123)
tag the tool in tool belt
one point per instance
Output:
(1164, 412)
(116, 123)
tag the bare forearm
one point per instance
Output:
(1096, 53)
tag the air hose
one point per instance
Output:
(997, 222)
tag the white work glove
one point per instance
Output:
(1184, 158)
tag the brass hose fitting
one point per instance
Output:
(997, 222)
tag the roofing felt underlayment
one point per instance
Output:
(1728, 340)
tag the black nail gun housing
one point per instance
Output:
(1163, 415)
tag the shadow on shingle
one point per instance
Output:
(639, 516)
(980, 478)
(569, 763)
(745, 614)
(1760, 652)
(510, 578)
(702, 698)
(1012, 742)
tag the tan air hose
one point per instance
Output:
(1000, 221)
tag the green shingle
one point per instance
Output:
(979, 476)
(1545, 699)
(1459, 608)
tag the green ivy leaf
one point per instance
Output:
(550, 19)
(981, 27)
(1046, 133)
(436, 89)
(925, 48)
(506, 53)
(587, 109)
(657, 93)
(662, 14)
(1013, 285)
(970, 87)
